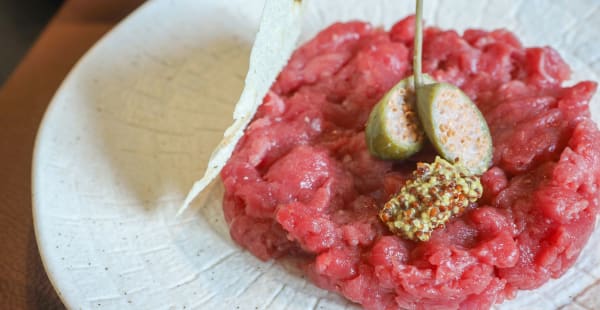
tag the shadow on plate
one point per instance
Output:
(157, 119)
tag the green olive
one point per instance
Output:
(455, 126)
(393, 130)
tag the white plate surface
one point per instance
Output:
(132, 127)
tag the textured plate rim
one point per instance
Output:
(50, 267)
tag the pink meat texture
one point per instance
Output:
(301, 182)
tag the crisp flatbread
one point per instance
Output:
(277, 36)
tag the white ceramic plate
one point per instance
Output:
(132, 127)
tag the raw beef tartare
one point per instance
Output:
(302, 182)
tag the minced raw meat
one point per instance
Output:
(302, 183)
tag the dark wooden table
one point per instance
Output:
(23, 100)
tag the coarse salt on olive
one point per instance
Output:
(455, 126)
(393, 130)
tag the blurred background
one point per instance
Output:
(21, 22)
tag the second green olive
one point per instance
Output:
(393, 130)
(455, 126)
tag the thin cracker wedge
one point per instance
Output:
(277, 36)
